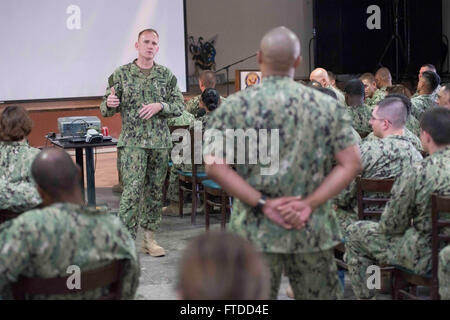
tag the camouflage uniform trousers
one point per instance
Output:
(365, 247)
(143, 174)
(345, 219)
(312, 276)
(444, 273)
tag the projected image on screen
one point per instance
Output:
(68, 49)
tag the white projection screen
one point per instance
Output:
(67, 49)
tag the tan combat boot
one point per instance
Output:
(171, 210)
(290, 292)
(150, 245)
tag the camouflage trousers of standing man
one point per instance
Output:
(312, 276)
(143, 174)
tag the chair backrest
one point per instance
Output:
(439, 204)
(173, 128)
(106, 276)
(371, 185)
(196, 135)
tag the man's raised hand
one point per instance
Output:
(112, 101)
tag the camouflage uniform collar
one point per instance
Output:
(135, 70)
(23, 143)
(277, 78)
(358, 106)
(397, 137)
(445, 152)
(73, 207)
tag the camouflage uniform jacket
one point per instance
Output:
(381, 159)
(413, 125)
(193, 105)
(44, 243)
(415, 141)
(133, 89)
(433, 95)
(17, 190)
(184, 120)
(360, 119)
(408, 214)
(378, 95)
(312, 128)
(420, 104)
(339, 94)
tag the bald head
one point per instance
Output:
(320, 75)
(383, 78)
(55, 173)
(280, 50)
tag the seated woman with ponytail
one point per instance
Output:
(209, 101)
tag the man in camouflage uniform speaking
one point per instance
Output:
(295, 234)
(146, 94)
(403, 235)
(43, 243)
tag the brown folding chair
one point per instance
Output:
(364, 185)
(175, 142)
(107, 276)
(191, 181)
(215, 196)
(404, 278)
(6, 215)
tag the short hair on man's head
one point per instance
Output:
(54, 171)
(384, 74)
(436, 122)
(367, 76)
(429, 66)
(406, 101)
(327, 91)
(15, 124)
(211, 98)
(222, 266)
(208, 78)
(148, 30)
(432, 80)
(394, 110)
(399, 88)
(354, 87)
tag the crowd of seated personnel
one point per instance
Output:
(395, 129)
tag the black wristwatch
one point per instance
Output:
(261, 203)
